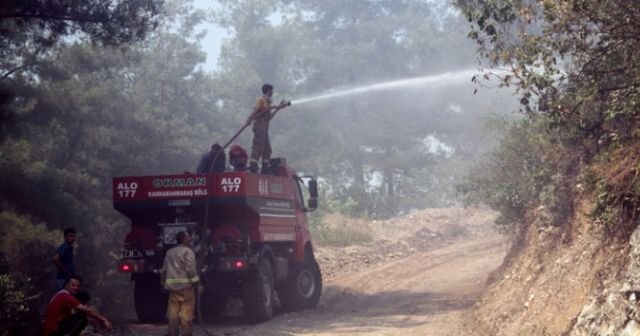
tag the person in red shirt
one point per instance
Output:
(66, 315)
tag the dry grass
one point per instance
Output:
(338, 230)
(618, 191)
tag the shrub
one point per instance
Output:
(615, 180)
(26, 273)
(18, 314)
(528, 170)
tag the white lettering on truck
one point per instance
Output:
(127, 189)
(229, 184)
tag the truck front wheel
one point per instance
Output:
(150, 300)
(303, 288)
(257, 294)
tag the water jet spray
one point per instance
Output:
(433, 80)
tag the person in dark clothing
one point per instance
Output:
(63, 259)
(207, 165)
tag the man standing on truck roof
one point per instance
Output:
(180, 277)
(63, 259)
(262, 113)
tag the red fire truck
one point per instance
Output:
(250, 232)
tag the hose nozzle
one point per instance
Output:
(284, 103)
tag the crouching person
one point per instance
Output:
(180, 277)
(66, 315)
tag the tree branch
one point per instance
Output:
(10, 72)
(78, 18)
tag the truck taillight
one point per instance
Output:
(131, 266)
(233, 264)
(239, 264)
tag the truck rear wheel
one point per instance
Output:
(149, 299)
(257, 295)
(303, 288)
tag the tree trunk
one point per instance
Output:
(358, 170)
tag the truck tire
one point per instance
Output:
(303, 288)
(213, 305)
(257, 293)
(150, 300)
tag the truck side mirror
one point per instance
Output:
(312, 204)
(313, 188)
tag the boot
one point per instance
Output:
(266, 169)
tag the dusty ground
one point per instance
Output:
(554, 275)
(420, 276)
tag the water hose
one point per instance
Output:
(205, 242)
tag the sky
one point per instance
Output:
(213, 41)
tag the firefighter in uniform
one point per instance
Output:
(180, 277)
(262, 113)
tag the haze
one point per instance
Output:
(385, 114)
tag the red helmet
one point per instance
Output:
(238, 157)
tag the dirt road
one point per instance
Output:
(422, 291)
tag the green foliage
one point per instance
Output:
(31, 30)
(574, 64)
(527, 171)
(26, 272)
(572, 61)
(23, 241)
(94, 113)
(17, 313)
(28, 28)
